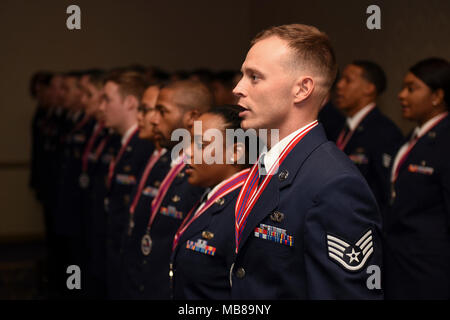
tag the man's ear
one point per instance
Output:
(437, 97)
(189, 117)
(370, 89)
(131, 102)
(303, 89)
(235, 153)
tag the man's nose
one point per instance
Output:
(155, 118)
(139, 116)
(238, 91)
(101, 107)
(401, 95)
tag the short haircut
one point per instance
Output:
(312, 48)
(225, 77)
(191, 94)
(42, 78)
(158, 75)
(373, 73)
(129, 82)
(73, 74)
(96, 77)
(435, 73)
(202, 74)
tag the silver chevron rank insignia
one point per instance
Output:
(351, 257)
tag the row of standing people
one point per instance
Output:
(137, 219)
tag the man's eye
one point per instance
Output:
(254, 77)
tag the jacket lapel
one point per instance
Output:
(359, 130)
(204, 220)
(270, 198)
(427, 140)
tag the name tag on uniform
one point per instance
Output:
(201, 246)
(150, 191)
(420, 169)
(171, 211)
(275, 234)
(359, 158)
(386, 159)
(125, 179)
(80, 138)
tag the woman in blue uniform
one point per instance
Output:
(204, 245)
(417, 223)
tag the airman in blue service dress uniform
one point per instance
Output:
(126, 172)
(202, 259)
(310, 227)
(122, 94)
(369, 138)
(68, 225)
(53, 127)
(417, 223)
(69, 217)
(203, 248)
(177, 106)
(107, 145)
(134, 261)
(156, 241)
(155, 170)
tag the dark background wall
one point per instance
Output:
(182, 35)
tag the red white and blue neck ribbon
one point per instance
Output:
(251, 191)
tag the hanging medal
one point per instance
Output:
(151, 163)
(146, 242)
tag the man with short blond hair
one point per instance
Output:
(310, 227)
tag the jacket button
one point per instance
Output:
(240, 273)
